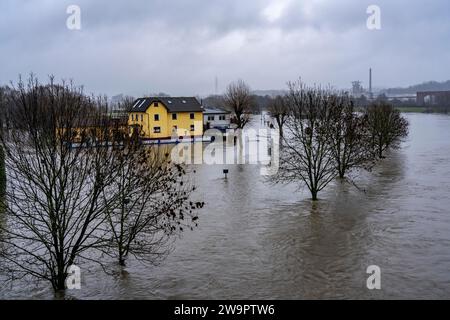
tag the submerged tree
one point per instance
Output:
(387, 128)
(348, 135)
(239, 100)
(53, 188)
(307, 156)
(279, 110)
(64, 159)
(153, 204)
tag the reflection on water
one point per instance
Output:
(258, 241)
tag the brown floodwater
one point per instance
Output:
(259, 241)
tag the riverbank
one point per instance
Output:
(411, 109)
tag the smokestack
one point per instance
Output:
(370, 83)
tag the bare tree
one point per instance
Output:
(279, 110)
(307, 156)
(348, 136)
(239, 101)
(67, 180)
(52, 205)
(153, 204)
(125, 104)
(386, 126)
(3, 108)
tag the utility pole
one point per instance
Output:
(216, 86)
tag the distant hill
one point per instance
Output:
(426, 86)
(270, 93)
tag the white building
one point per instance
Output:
(214, 118)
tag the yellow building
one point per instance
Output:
(166, 117)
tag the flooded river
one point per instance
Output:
(258, 241)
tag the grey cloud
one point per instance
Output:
(179, 46)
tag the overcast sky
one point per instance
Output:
(180, 46)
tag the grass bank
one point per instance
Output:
(411, 109)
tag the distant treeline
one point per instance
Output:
(260, 103)
(426, 86)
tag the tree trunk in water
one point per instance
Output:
(380, 148)
(341, 172)
(121, 261)
(314, 195)
(61, 281)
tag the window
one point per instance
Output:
(132, 117)
(211, 118)
(174, 116)
(192, 115)
(155, 104)
(221, 117)
(156, 117)
(192, 127)
(156, 129)
(142, 117)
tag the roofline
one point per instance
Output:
(159, 100)
(216, 112)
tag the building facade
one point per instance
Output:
(214, 118)
(166, 117)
